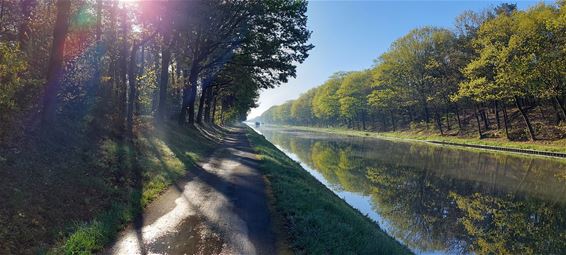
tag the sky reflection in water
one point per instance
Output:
(438, 199)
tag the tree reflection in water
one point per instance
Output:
(441, 198)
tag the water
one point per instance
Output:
(439, 199)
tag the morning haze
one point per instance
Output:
(131, 127)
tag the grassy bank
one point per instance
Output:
(550, 146)
(74, 192)
(317, 221)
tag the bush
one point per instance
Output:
(16, 92)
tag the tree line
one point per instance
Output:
(497, 69)
(107, 63)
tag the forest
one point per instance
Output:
(105, 104)
(113, 61)
(500, 72)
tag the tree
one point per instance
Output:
(17, 93)
(537, 55)
(487, 78)
(301, 108)
(325, 105)
(55, 71)
(494, 60)
(272, 33)
(419, 63)
(385, 99)
(352, 96)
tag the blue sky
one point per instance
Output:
(350, 35)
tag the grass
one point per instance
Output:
(163, 156)
(549, 146)
(70, 193)
(316, 220)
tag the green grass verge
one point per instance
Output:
(550, 146)
(161, 156)
(316, 220)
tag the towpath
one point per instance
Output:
(220, 208)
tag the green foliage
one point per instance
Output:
(80, 82)
(16, 92)
(497, 61)
(352, 93)
(301, 109)
(325, 102)
(11, 67)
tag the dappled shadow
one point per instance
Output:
(136, 199)
(49, 184)
(239, 189)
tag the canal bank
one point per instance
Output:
(439, 199)
(555, 149)
(316, 220)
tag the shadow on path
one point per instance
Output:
(219, 207)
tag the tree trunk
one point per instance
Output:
(192, 100)
(411, 118)
(557, 114)
(505, 122)
(476, 113)
(497, 115)
(526, 119)
(122, 89)
(427, 114)
(202, 99)
(457, 111)
(438, 122)
(484, 117)
(189, 94)
(184, 104)
(164, 78)
(55, 68)
(207, 105)
(539, 104)
(141, 70)
(189, 79)
(132, 76)
(113, 66)
(448, 124)
(560, 106)
(392, 120)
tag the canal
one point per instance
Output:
(440, 199)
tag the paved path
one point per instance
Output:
(221, 208)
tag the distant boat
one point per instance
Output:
(257, 124)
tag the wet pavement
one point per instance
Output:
(220, 208)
